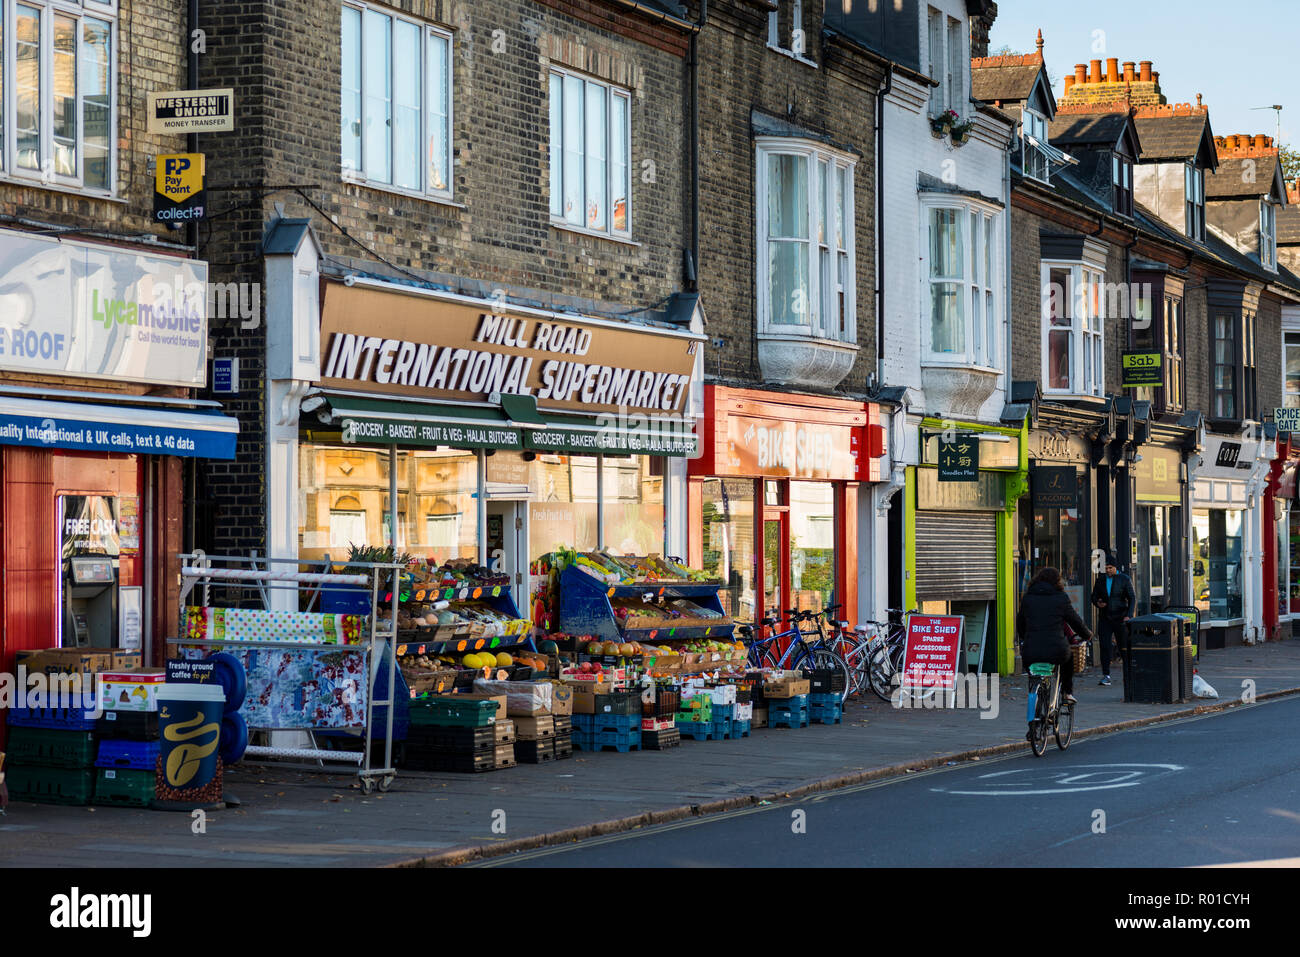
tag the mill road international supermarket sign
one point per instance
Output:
(73, 309)
(932, 652)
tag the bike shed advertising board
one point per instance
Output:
(932, 652)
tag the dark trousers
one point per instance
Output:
(1108, 630)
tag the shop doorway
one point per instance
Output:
(507, 538)
(1152, 557)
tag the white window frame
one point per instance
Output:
(821, 295)
(798, 45)
(1194, 199)
(982, 334)
(1087, 329)
(1267, 234)
(102, 10)
(611, 93)
(1034, 124)
(427, 31)
(947, 63)
(1290, 400)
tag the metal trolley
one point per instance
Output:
(305, 579)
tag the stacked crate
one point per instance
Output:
(535, 738)
(51, 755)
(826, 708)
(458, 734)
(658, 720)
(126, 764)
(615, 725)
(563, 736)
(787, 701)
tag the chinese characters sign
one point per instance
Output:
(959, 460)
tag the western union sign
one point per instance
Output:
(178, 188)
(192, 111)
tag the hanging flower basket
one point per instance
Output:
(942, 124)
(960, 133)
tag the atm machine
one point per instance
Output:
(90, 601)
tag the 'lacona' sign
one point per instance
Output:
(384, 342)
(74, 309)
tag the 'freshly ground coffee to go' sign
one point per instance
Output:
(394, 344)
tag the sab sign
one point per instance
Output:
(1142, 369)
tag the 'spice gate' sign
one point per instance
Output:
(932, 651)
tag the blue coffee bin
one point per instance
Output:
(189, 725)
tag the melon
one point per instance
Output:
(504, 660)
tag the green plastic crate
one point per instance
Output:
(123, 788)
(49, 748)
(449, 713)
(50, 785)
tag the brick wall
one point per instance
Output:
(835, 98)
(284, 58)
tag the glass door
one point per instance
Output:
(774, 603)
(1151, 562)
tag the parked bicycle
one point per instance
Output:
(798, 648)
(1046, 712)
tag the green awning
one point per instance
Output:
(516, 425)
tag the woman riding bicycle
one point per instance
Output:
(1045, 610)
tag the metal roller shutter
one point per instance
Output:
(956, 555)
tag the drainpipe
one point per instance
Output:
(883, 92)
(693, 266)
(192, 81)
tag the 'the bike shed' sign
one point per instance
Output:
(932, 652)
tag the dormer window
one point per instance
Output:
(948, 63)
(1033, 137)
(1194, 196)
(1122, 180)
(1267, 234)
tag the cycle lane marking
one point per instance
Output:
(1070, 779)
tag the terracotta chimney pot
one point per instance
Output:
(1112, 70)
(1080, 74)
(1069, 82)
(1145, 74)
(1094, 72)
(1129, 75)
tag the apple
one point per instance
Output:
(585, 667)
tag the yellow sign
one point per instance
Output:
(178, 187)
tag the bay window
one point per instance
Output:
(806, 275)
(1159, 327)
(57, 80)
(590, 144)
(1073, 329)
(396, 102)
(961, 264)
(1232, 365)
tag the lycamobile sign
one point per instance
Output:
(81, 310)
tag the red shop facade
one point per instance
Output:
(1282, 542)
(774, 498)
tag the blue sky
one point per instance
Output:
(1237, 55)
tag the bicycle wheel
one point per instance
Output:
(823, 659)
(880, 674)
(1064, 726)
(1038, 727)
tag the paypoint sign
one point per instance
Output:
(178, 188)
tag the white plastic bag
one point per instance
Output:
(1201, 688)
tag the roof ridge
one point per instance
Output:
(1008, 59)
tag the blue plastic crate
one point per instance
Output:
(827, 715)
(621, 741)
(700, 731)
(819, 700)
(788, 704)
(740, 729)
(787, 718)
(606, 722)
(723, 712)
(52, 719)
(128, 755)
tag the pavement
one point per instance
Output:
(290, 817)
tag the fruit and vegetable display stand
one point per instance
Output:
(307, 670)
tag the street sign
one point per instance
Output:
(959, 460)
(178, 188)
(1142, 369)
(931, 652)
(1287, 420)
(192, 111)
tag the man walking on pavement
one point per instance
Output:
(1115, 601)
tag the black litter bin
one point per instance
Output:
(1151, 671)
(1184, 656)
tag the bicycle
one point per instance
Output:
(1046, 710)
(884, 659)
(799, 653)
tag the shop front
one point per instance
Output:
(1282, 549)
(959, 534)
(99, 348)
(464, 433)
(1158, 537)
(1058, 516)
(774, 499)
(1226, 566)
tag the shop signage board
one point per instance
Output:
(997, 450)
(1158, 476)
(225, 376)
(1055, 486)
(178, 188)
(191, 111)
(986, 494)
(664, 442)
(1287, 420)
(96, 435)
(932, 651)
(368, 431)
(69, 308)
(959, 459)
(408, 345)
(1142, 369)
(774, 448)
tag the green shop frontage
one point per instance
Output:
(462, 433)
(959, 534)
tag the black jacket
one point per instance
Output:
(1121, 601)
(1044, 611)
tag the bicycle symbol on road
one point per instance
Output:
(1075, 778)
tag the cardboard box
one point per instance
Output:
(562, 699)
(126, 660)
(71, 661)
(789, 685)
(504, 756)
(723, 694)
(535, 728)
(505, 731)
(132, 690)
(744, 712)
(522, 697)
(584, 702)
(760, 718)
(656, 724)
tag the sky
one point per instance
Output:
(1237, 55)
